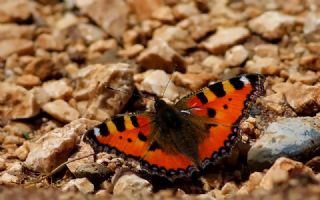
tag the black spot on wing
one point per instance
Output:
(154, 146)
(217, 89)
(253, 78)
(211, 112)
(202, 97)
(119, 123)
(134, 121)
(129, 140)
(142, 137)
(225, 106)
(236, 83)
(103, 129)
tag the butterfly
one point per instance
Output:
(177, 140)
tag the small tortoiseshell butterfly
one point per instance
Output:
(177, 140)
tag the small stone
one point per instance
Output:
(133, 185)
(314, 47)
(15, 168)
(81, 184)
(176, 37)
(214, 64)
(253, 183)
(23, 101)
(236, 55)
(131, 51)
(8, 179)
(144, 8)
(155, 82)
(225, 38)
(184, 10)
(11, 11)
(192, 81)
(110, 15)
(103, 45)
(22, 151)
(61, 110)
(12, 139)
(68, 20)
(28, 80)
(54, 147)
(3, 165)
(164, 14)
(267, 50)
(296, 138)
(90, 33)
(281, 171)
(311, 62)
(92, 84)
(13, 31)
(272, 24)
(229, 188)
(40, 67)
(307, 77)
(263, 65)
(53, 42)
(58, 89)
(18, 46)
(161, 56)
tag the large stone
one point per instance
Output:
(96, 89)
(296, 138)
(225, 38)
(16, 102)
(272, 24)
(110, 15)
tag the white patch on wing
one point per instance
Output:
(244, 80)
(96, 131)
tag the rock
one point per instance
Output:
(103, 45)
(161, 56)
(267, 50)
(2, 164)
(253, 183)
(184, 10)
(110, 15)
(81, 184)
(15, 168)
(14, 10)
(54, 147)
(199, 26)
(18, 46)
(272, 24)
(263, 65)
(164, 14)
(40, 67)
(22, 151)
(92, 85)
(66, 21)
(61, 110)
(229, 188)
(281, 171)
(311, 62)
(155, 82)
(192, 81)
(58, 89)
(133, 185)
(13, 31)
(225, 38)
(8, 179)
(308, 77)
(53, 42)
(236, 55)
(12, 139)
(296, 138)
(214, 64)
(144, 8)
(90, 33)
(28, 80)
(176, 37)
(95, 172)
(131, 51)
(23, 101)
(304, 99)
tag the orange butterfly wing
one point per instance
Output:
(129, 135)
(222, 106)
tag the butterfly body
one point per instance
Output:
(177, 140)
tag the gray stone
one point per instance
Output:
(296, 138)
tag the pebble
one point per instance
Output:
(16, 46)
(61, 110)
(144, 8)
(163, 14)
(225, 38)
(12, 139)
(214, 64)
(40, 67)
(58, 89)
(110, 15)
(185, 10)
(132, 185)
(272, 24)
(13, 31)
(250, 185)
(28, 81)
(296, 138)
(53, 42)
(90, 33)
(24, 101)
(22, 152)
(92, 83)
(54, 148)
(81, 184)
(192, 81)
(12, 11)
(8, 179)
(161, 56)
(236, 55)
(311, 62)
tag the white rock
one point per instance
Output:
(132, 184)
(236, 55)
(82, 184)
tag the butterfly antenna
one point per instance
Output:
(170, 79)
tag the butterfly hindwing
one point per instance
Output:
(222, 106)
